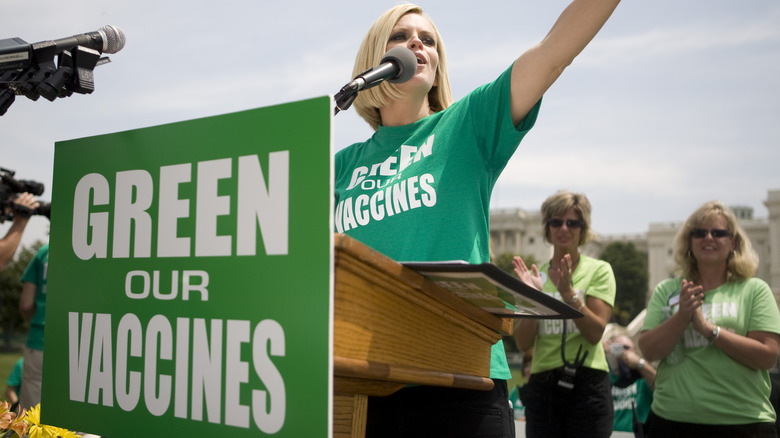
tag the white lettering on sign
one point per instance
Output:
(144, 283)
(257, 204)
(211, 350)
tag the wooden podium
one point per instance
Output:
(393, 327)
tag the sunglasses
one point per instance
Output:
(701, 233)
(570, 223)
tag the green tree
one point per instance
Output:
(10, 292)
(504, 261)
(631, 277)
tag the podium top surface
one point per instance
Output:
(346, 247)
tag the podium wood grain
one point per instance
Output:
(393, 327)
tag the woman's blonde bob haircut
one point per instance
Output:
(558, 204)
(742, 262)
(370, 54)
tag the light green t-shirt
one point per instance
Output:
(421, 192)
(593, 278)
(698, 382)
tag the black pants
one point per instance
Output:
(663, 428)
(430, 411)
(553, 412)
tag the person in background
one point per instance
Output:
(528, 360)
(774, 395)
(715, 330)
(514, 395)
(419, 189)
(632, 380)
(568, 394)
(13, 384)
(32, 305)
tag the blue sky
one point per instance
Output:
(675, 103)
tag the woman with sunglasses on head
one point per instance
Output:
(715, 330)
(569, 392)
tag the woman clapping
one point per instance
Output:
(715, 331)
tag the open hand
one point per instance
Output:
(529, 277)
(561, 275)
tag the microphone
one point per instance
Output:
(15, 53)
(107, 39)
(55, 68)
(397, 66)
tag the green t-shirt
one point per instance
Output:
(421, 192)
(36, 273)
(593, 278)
(698, 382)
(638, 394)
(15, 377)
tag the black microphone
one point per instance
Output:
(397, 66)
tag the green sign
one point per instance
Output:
(190, 278)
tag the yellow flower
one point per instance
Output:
(64, 433)
(38, 430)
(34, 415)
(34, 422)
(29, 421)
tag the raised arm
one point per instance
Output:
(10, 242)
(13, 237)
(539, 67)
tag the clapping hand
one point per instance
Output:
(691, 298)
(531, 278)
(561, 275)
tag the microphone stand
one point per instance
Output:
(73, 72)
(345, 97)
(349, 92)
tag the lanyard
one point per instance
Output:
(566, 380)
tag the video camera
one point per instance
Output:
(10, 188)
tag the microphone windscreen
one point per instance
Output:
(113, 38)
(406, 62)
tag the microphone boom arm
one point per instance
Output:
(30, 69)
(345, 97)
(73, 72)
(348, 93)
